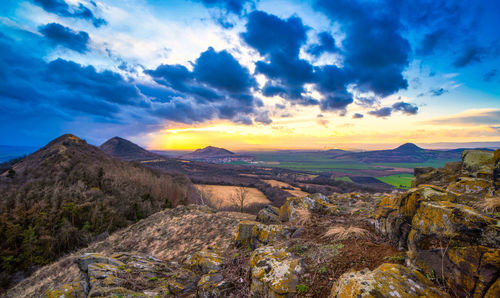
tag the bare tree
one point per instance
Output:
(239, 197)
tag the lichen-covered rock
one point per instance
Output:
(439, 177)
(470, 186)
(205, 261)
(73, 290)
(181, 280)
(317, 203)
(90, 258)
(457, 243)
(388, 280)
(269, 215)
(395, 212)
(274, 272)
(212, 285)
(475, 161)
(254, 234)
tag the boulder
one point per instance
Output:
(274, 272)
(254, 234)
(90, 258)
(212, 285)
(439, 177)
(477, 161)
(470, 186)
(269, 215)
(388, 280)
(317, 203)
(73, 290)
(206, 261)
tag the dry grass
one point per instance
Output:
(491, 204)
(340, 233)
(301, 217)
(295, 191)
(221, 195)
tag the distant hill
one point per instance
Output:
(65, 194)
(406, 153)
(215, 154)
(126, 150)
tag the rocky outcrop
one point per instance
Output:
(122, 274)
(274, 272)
(444, 234)
(254, 234)
(388, 280)
(269, 215)
(317, 203)
(439, 177)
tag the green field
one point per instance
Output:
(347, 179)
(399, 180)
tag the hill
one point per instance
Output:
(215, 154)
(126, 150)
(406, 153)
(66, 194)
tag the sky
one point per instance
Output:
(250, 75)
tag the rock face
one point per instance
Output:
(269, 215)
(121, 274)
(317, 203)
(388, 280)
(444, 233)
(275, 272)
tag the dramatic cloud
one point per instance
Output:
(357, 116)
(217, 82)
(381, 113)
(490, 75)
(405, 108)
(326, 45)
(61, 8)
(375, 51)
(58, 34)
(234, 6)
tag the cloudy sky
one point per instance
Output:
(246, 74)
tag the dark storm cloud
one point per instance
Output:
(58, 34)
(61, 8)
(490, 75)
(405, 108)
(375, 54)
(326, 45)
(217, 83)
(357, 116)
(381, 113)
(234, 6)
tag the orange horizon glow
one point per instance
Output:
(307, 133)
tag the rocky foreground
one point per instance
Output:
(439, 239)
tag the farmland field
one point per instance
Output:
(399, 181)
(220, 195)
(292, 190)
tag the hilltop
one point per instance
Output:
(126, 150)
(68, 193)
(215, 155)
(406, 153)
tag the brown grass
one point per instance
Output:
(491, 204)
(339, 233)
(295, 191)
(301, 217)
(221, 195)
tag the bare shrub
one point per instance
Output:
(239, 197)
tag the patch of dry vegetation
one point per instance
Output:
(489, 205)
(339, 233)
